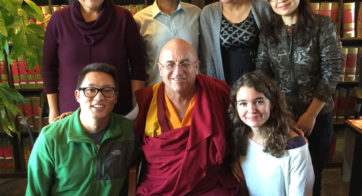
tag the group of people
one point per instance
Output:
(267, 135)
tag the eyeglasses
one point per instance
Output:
(172, 65)
(91, 92)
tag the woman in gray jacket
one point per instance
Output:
(230, 37)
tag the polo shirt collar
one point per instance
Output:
(156, 11)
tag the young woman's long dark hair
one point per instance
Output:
(276, 128)
(304, 28)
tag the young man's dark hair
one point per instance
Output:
(98, 67)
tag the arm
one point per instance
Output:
(136, 56)
(40, 169)
(135, 86)
(330, 61)
(53, 106)
(301, 174)
(50, 67)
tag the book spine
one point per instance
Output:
(351, 65)
(35, 102)
(3, 71)
(31, 76)
(22, 73)
(9, 158)
(335, 100)
(359, 21)
(335, 11)
(15, 74)
(315, 7)
(28, 111)
(2, 156)
(344, 63)
(349, 19)
(38, 78)
(325, 9)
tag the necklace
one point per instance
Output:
(289, 30)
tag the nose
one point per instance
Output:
(251, 108)
(99, 96)
(178, 69)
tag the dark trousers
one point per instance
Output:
(319, 142)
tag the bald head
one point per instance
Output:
(178, 46)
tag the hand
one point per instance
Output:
(63, 115)
(237, 171)
(306, 123)
(295, 132)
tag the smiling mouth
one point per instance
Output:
(98, 106)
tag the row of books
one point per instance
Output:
(345, 104)
(6, 155)
(350, 64)
(352, 25)
(32, 114)
(330, 9)
(24, 77)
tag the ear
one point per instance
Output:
(160, 69)
(197, 67)
(77, 95)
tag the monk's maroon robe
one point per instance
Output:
(187, 160)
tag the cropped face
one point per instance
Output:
(93, 104)
(285, 7)
(91, 5)
(253, 107)
(178, 68)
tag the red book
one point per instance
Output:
(8, 152)
(359, 21)
(2, 155)
(27, 150)
(15, 74)
(3, 71)
(35, 102)
(22, 73)
(349, 19)
(30, 76)
(315, 7)
(38, 78)
(325, 9)
(28, 111)
(335, 11)
(344, 63)
(351, 65)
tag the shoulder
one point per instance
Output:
(296, 141)
(144, 13)
(213, 85)
(122, 12)
(58, 128)
(190, 7)
(211, 9)
(325, 23)
(122, 124)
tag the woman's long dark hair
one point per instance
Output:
(276, 128)
(305, 27)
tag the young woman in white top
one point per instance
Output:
(275, 160)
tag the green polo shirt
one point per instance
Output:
(65, 161)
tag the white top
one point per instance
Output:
(157, 28)
(292, 174)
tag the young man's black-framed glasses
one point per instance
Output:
(91, 92)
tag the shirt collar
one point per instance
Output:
(156, 11)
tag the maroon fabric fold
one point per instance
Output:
(187, 160)
(94, 31)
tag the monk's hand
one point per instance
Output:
(237, 171)
(63, 115)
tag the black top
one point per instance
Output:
(239, 43)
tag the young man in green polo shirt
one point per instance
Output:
(88, 152)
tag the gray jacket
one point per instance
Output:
(210, 22)
(304, 72)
